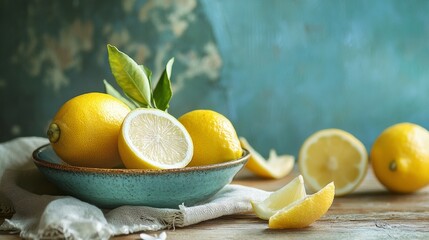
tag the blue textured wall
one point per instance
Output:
(294, 67)
(280, 70)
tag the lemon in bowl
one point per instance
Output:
(84, 132)
(213, 135)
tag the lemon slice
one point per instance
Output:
(304, 212)
(275, 167)
(154, 139)
(333, 155)
(285, 196)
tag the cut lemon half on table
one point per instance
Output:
(153, 139)
(275, 167)
(333, 155)
(304, 212)
(285, 196)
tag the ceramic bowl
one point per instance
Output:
(109, 188)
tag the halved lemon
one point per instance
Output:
(290, 193)
(333, 155)
(304, 212)
(275, 167)
(153, 139)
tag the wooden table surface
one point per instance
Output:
(370, 212)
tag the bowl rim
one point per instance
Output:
(39, 162)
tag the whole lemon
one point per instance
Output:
(85, 130)
(400, 157)
(213, 135)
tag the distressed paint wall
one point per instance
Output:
(57, 50)
(280, 70)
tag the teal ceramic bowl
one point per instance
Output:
(110, 188)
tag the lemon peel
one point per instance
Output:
(274, 167)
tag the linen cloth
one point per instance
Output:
(41, 211)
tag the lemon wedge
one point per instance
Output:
(290, 193)
(153, 139)
(333, 155)
(304, 212)
(274, 167)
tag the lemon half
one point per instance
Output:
(333, 155)
(153, 139)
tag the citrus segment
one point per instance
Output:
(333, 155)
(84, 132)
(153, 139)
(213, 135)
(304, 212)
(281, 198)
(400, 157)
(275, 167)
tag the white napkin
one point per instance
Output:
(41, 211)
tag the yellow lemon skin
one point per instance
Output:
(400, 157)
(84, 132)
(305, 212)
(213, 135)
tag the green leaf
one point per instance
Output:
(162, 93)
(147, 71)
(130, 76)
(113, 92)
(149, 76)
(136, 103)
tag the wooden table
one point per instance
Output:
(370, 212)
